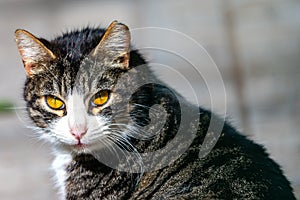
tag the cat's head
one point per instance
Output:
(71, 89)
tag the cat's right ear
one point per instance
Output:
(35, 55)
(115, 44)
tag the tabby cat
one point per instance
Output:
(120, 133)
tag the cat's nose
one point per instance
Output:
(78, 132)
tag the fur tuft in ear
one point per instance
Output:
(115, 43)
(34, 53)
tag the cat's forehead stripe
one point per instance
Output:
(76, 44)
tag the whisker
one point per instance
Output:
(148, 107)
(134, 131)
(129, 158)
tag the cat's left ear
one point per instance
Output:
(35, 55)
(115, 44)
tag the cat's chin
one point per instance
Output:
(70, 148)
(80, 148)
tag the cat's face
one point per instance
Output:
(77, 103)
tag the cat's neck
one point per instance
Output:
(105, 179)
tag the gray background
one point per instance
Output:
(254, 43)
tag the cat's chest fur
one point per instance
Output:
(59, 166)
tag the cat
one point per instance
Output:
(120, 133)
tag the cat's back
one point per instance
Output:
(236, 168)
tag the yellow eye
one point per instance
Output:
(54, 102)
(100, 98)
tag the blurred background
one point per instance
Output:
(254, 43)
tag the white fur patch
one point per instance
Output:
(77, 111)
(59, 166)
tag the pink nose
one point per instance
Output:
(78, 132)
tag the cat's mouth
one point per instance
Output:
(79, 147)
(83, 145)
(80, 144)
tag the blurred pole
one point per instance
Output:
(237, 71)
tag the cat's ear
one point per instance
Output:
(115, 43)
(34, 53)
